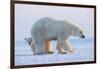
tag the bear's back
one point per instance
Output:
(49, 26)
(49, 22)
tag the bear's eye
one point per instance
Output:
(80, 31)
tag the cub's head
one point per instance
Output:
(28, 40)
(78, 32)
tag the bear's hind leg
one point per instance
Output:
(48, 47)
(40, 50)
(32, 46)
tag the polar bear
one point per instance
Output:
(47, 29)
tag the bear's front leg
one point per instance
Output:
(60, 49)
(48, 47)
(64, 46)
(68, 47)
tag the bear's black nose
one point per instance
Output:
(83, 36)
(29, 43)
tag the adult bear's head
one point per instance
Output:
(78, 32)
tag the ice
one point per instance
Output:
(84, 51)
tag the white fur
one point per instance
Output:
(49, 29)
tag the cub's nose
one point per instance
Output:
(29, 43)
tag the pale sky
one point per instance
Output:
(26, 15)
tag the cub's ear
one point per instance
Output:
(28, 39)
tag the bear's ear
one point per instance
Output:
(75, 29)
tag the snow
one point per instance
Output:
(84, 51)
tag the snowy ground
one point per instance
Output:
(84, 51)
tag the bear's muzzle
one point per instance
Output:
(83, 36)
